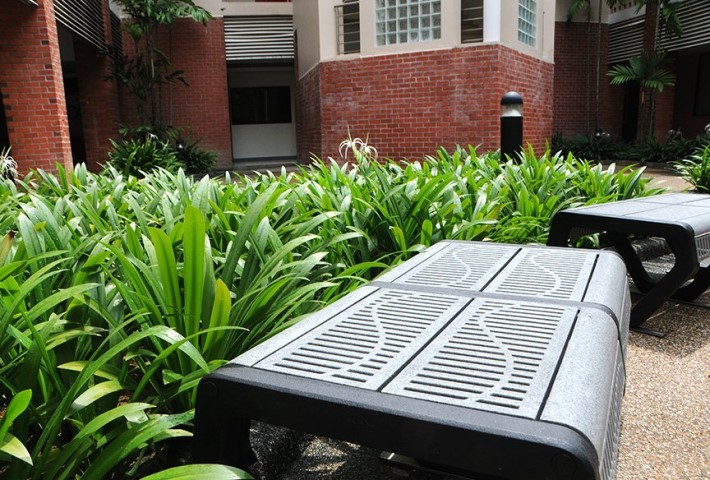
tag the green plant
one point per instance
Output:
(696, 169)
(590, 147)
(118, 293)
(9, 444)
(146, 72)
(652, 150)
(200, 472)
(138, 156)
(195, 159)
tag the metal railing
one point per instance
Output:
(348, 22)
(471, 21)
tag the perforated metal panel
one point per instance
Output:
(368, 342)
(546, 273)
(610, 453)
(497, 356)
(465, 266)
(702, 244)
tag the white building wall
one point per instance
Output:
(500, 26)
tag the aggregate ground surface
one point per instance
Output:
(665, 415)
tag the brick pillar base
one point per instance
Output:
(32, 86)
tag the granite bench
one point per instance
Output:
(682, 219)
(484, 359)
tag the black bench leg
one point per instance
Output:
(559, 233)
(634, 266)
(219, 436)
(686, 265)
(694, 289)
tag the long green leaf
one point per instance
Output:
(200, 472)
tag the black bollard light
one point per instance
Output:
(511, 125)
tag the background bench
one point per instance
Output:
(682, 219)
(482, 358)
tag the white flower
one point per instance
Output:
(358, 146)
(8, 165)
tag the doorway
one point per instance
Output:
(262, 108)
(631, 112)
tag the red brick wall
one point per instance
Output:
(98, 96)
(410, 104)
(203, 106)
(575, 93)
(308, 115)
(32, 86)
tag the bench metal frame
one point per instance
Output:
(687, 235)
(565, 424)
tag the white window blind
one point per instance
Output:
(84, 19)
(258, 37)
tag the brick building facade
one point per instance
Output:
(410, 104)
(408, 91)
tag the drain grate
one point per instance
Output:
(560, 274)
(367, 343)
(466, 266)
(496, 355)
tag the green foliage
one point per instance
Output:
(196, 160)
(200, 472)
(136, 156)
(144, 148)
(118, 294)
(590, 147)
(9, 444)
(696, 169)
(652, 150)
(148, 69)
(646, 69)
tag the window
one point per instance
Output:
(471, 21)
(348, 18)
(403, 21)
(257, 105)
(527, 18)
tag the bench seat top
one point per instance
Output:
(691, 209)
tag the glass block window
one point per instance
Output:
(527, 18)
(404, 21)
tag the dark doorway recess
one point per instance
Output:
(631, 111)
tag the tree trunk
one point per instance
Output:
(645, 120)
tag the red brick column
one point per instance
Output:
(32, 86)
(98, 96)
